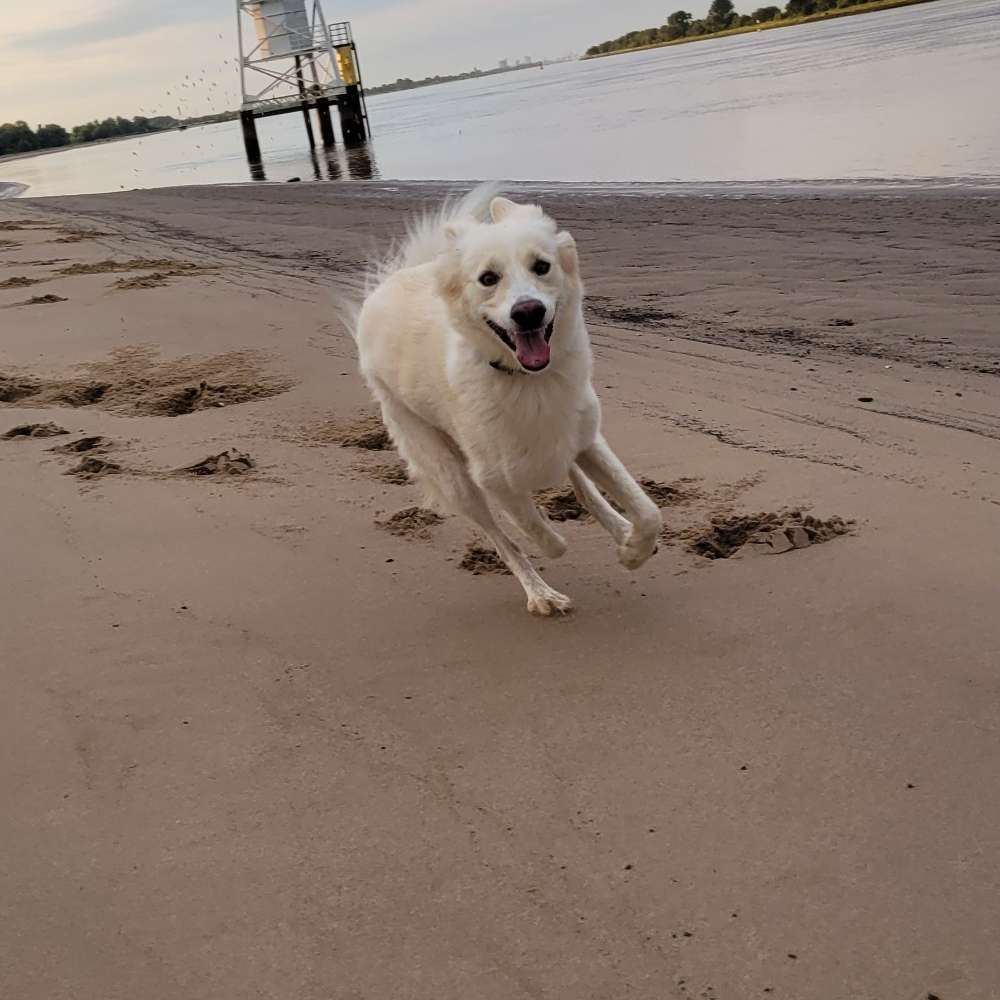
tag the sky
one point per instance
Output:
(70, 61)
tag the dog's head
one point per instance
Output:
(508, 281)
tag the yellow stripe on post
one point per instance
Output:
(345, 63)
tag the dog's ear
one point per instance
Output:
(448, 275)
(500, 208)
(568, 259)
(453, 231)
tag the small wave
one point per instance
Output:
(11, 189)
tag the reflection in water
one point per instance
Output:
(356, 163)
(332, 160)
(315, 164)
(361, 164)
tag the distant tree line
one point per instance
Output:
(19, 137)
(405, 83)
(722, 16)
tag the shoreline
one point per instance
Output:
(339, 761)
(70, 146)
(791, 22)
(971, 186)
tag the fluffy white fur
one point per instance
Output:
(479, 427)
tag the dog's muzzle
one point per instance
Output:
(530, 347)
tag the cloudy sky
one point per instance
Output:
(69, 61)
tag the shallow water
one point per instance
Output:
(905, 95)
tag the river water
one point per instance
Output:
(901, 95)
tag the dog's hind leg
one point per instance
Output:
(590, 497)
(529, 520)
(605, 468)
(437, 463)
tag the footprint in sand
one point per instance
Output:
(562, 504)
(82, 445)
(367, 433)
(76, 236)
(481, 561)
(226, 463)
(136, 264)
(132, 381)
(34, 431)
(94, 468)
(411, 522)
(391, 473)
(39, 300)
(766, 533)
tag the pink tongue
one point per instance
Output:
(532, 349)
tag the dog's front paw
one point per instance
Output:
(549, 602)
(637, 549)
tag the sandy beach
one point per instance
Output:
(259, 737)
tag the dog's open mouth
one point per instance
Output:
(530, 347)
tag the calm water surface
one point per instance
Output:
(903, 94)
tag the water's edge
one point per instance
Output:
(981, 187)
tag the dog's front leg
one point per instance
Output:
(604, 467)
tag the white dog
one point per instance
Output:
(473, 341)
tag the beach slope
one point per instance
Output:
(266, 732)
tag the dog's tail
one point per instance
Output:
(426, 238)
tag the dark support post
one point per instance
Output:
(305, 106)
(250, 136)
(325, 121)
(352, 121)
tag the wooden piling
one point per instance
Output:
(250, 136)
(325, 121)
(352, 120)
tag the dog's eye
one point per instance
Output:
(541, 267)
(489, 278)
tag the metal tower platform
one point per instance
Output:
(292, 59)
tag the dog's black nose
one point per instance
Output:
(528, 314)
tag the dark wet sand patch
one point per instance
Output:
(480, 561)
(769, 533)
(411, 522)
(367, 433)
(76, 236)
(226, 463)
(16, 225)
(135, 264)
(94, 468)
(45, 430)
(674, 494)
(94, 442)
(157, 279)
(391, 473)
(562, 505)
(39, 300)
(641, 316)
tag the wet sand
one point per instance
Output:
(268, 731)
